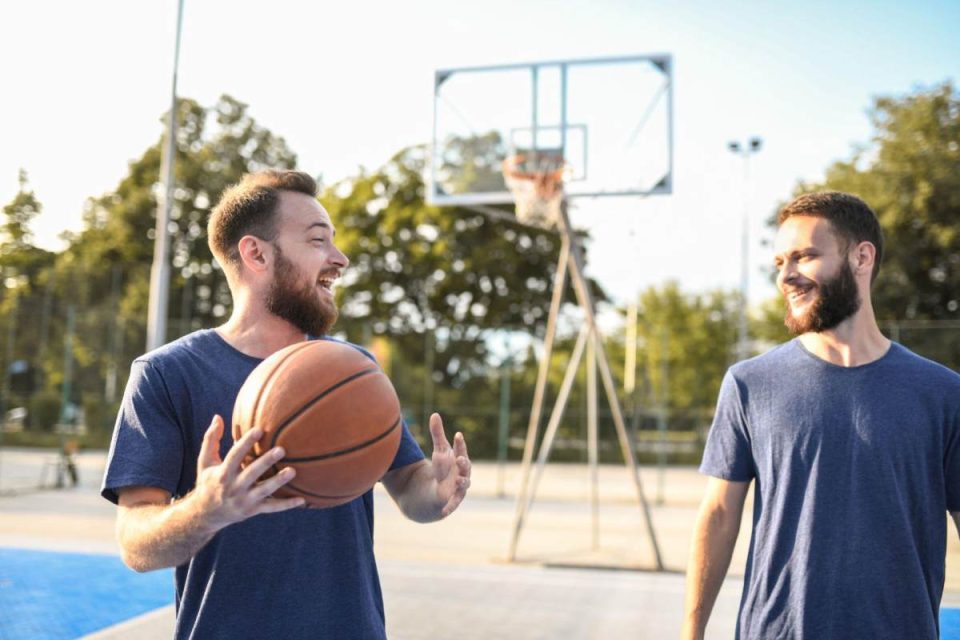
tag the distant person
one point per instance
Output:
(854, 444)
(247, 565)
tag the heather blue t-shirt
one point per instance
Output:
(303, 573)
(855, 469)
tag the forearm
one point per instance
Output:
(714, 538)
(154, 536)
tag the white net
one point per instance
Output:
(537, 188)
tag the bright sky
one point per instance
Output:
(350, 83)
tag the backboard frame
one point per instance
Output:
(662, 62)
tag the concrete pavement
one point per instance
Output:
(452, 578)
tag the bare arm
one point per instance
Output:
(714, 537)
(154, 533)
(956, 520)
(429, 491)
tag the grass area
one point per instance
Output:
(50, 440)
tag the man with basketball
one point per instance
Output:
(248, 565)
(854, 443)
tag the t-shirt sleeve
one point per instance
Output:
(409, 451)
(951, 466)
(147, 446)
(728, 454)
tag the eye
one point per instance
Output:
(318, 240)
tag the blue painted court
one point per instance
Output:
(49, 595)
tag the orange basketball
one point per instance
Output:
(333, 411)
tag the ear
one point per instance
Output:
(863, 257)
(256, 254)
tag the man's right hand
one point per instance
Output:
(155, 533)
(225, 493)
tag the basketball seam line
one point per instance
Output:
(254, 411)
(356, 447)
(299, 489)
(286, 422)
(319, 495)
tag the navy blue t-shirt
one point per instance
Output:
(303, 573)
(855, 469)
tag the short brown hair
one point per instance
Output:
(852, 219)
(249, 208)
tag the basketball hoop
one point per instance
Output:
(536, 182)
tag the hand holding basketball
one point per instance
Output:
(226, 493)
(450, 465)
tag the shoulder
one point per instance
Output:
(767, 363)
(923, 369)
(196, 343)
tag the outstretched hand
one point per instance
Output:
(227, 492)
(450, 466)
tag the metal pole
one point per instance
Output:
(662, 413)
(551, 432)
(630, 350)
(428, 347)
(503, 432)
(110, 381)
(743, 331)
(67, 389)
(533, 426)
(160, 271)
(592, 441)
(586, 303)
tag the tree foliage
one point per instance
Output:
(103, 273)
(452, 271)
(685, 342)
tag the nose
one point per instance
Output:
(339, 258)
(786, 274)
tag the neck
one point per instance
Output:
(255, 331)
(854, 342)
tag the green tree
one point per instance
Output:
(23, 276)
(18, 255)
(685, 344)
(104, 272)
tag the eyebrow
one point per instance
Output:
(793, 253)
(322, 225)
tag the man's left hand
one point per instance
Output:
(450, 467)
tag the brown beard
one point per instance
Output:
(297, 303)
(838, 300)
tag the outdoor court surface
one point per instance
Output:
(61, 577)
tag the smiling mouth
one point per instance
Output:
(798, 294)
(325, 282)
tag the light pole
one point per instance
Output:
(160, 272)
(744, 150)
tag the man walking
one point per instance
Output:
(853, 443)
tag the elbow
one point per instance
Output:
(130, 554)
(134, 562)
